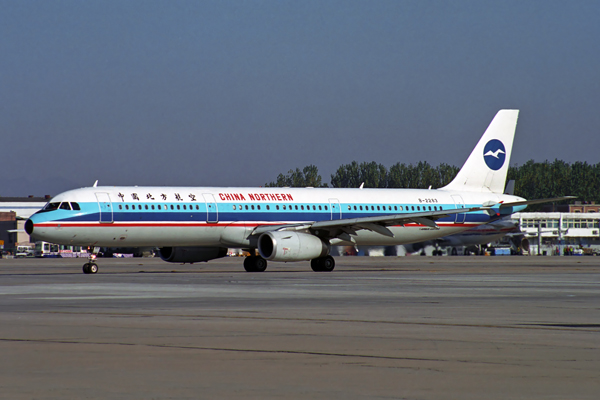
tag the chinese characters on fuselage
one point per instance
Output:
(222, 196)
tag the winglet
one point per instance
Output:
(95, 183)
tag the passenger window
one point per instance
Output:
(120, 207)
(319, 208)
(258, 207)
(171, 206)
(178, 207)
(268, 208)
(146, 206)
(378, 208)
(372, 208)
(139, 206)
(277, 207)
(152, 206)
(284, 207)
(75, 206)
(429, 208)
(314, 208)
(126, 207)
(184, 207)
(325, 208)
(360, 208)
(246, 206)
(296, 207)
(252, 206)
(197, 207)
(234, 207)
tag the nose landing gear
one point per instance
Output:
(91, 267)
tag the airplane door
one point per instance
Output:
(458, 201)
(105, 206)
(212, 213)
(336, 210)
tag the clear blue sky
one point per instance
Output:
(235, 92)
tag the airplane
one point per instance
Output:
(472, 238)
(194, 224)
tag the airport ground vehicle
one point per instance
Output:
(46, 250)
(24, 251)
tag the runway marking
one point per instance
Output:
(534, 326)
(262, 351)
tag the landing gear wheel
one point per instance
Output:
(90, 268)
(255, 264)
(454, 252)
(323, 264)
(260, 264)
(93, 268)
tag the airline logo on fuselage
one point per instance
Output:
(494, 154)
(256, 197)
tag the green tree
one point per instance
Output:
(308, 177)
(352, 175)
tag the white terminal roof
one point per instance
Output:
(23, 206)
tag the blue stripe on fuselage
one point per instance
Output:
(90, 213)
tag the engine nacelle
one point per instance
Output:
(191, 254)
(291, 246)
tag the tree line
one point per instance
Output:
(533, 180)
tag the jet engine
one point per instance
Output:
(191, 254)
(291, 246)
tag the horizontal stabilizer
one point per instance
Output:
(536, 201)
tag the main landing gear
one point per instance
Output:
(91, 267)
(259, 264)
(255, 264)
(323, 264)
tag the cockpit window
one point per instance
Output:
(65, 206)
(51, 207)
(75, 206)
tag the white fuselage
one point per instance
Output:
(226, 217)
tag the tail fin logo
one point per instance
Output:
(494, 154)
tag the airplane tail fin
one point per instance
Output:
(486, 168)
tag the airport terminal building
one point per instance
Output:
(575, 226)
(14, 211)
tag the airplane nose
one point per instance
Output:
(29, 227)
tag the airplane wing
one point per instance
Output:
(343, 228)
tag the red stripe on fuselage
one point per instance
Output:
(181, 225)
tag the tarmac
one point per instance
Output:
(375, 328)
